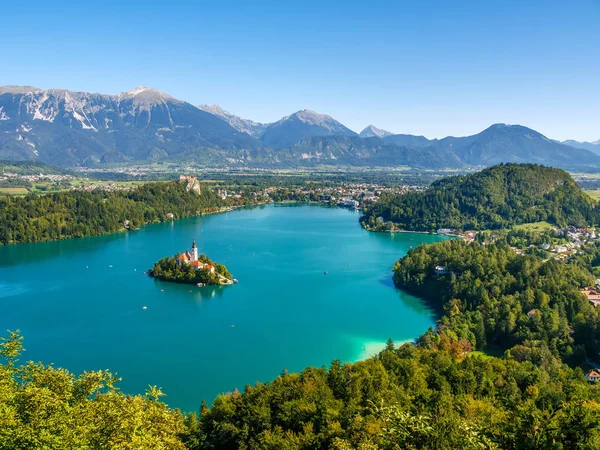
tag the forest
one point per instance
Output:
(430, 396)
(73, 214)
(493, 297)
(495, 198)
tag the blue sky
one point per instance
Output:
(435, 68)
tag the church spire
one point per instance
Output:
(194, 251)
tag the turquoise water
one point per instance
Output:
(78, 312)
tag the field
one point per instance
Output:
(535, 227)
(594, 193)
(488, 352)
(14, 191)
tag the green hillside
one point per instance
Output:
(72, 214)
(497, 197)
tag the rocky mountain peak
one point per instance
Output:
(11, 89)
(142, 95)
(216, 110)
(373, 131)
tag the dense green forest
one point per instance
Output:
(492, 296)
(428, 396)
(64, 215)
(167, 269)
(497, 197)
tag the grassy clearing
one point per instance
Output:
(594, 193)
(14, 190)
(488, 352)
(535, 227)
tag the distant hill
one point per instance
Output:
(410, 141)
(501, 143)
(302, 125)
(496, 197)
(250, 127)
(591, 146)
(31, 168)
(373, 131)
(357, 151)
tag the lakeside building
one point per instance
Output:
(442, 270)
(592, 295)
(192, 259)
(593, 375)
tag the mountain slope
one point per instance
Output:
(357, 151)
(66, 128)
(71, 128)
(250, 127)
(502, 143)
(373, 131)
(591, 146)
(302, 125)
(410, 140)
(497, 197)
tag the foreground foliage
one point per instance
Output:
(497, 197)
(50, 408)
(413, 398)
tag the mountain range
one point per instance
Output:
(591, 146)
(68, 129)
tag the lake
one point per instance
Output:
(78, 303)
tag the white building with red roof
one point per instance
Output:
(192, 258)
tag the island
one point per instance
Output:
(191, 268)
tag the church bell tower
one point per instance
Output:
(194, 250)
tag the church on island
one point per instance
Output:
(192, 258)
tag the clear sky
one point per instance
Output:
(426, 67)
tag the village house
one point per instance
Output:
(442, 270)
(469, 236)
(592, 295)
(447, 231)
(593, 375)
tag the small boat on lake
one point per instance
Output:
(144, 308)
(325, 272)
(235, 281)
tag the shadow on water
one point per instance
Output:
(417, 304)
(202, 293)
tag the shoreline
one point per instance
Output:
(371, 348)
(417, 232)
(208, 213)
